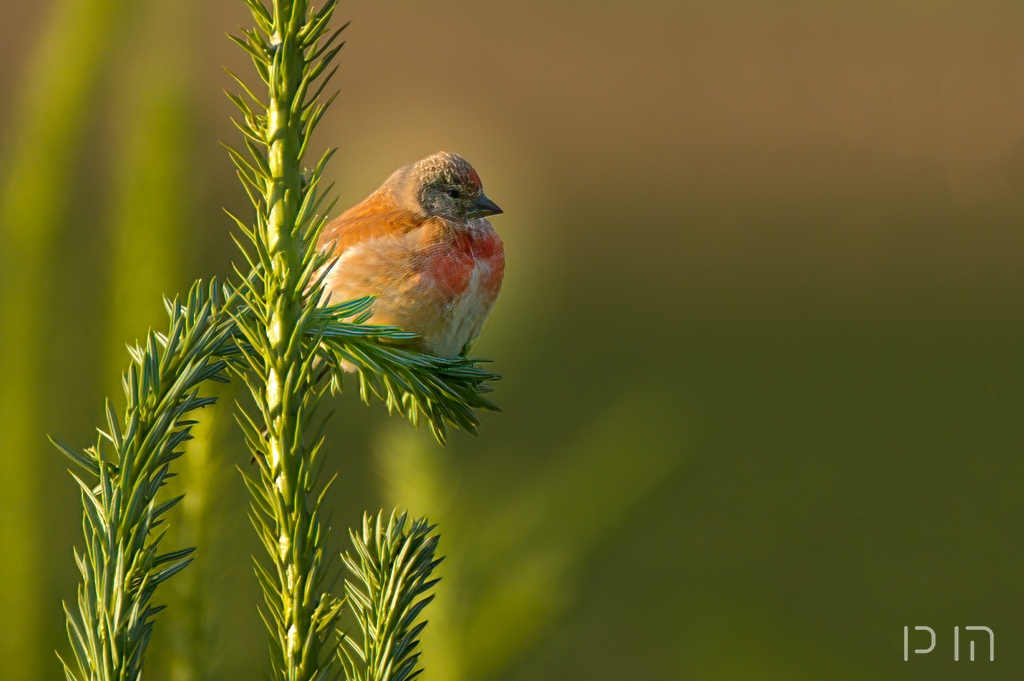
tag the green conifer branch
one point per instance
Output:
(391, 569)
(277, 334)
(120, 478)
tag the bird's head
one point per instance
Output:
(445, 185)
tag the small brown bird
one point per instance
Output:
(422, 245)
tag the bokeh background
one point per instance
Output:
(762, 330)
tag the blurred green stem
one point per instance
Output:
(150, 220)
(192, 634)
(62, 81)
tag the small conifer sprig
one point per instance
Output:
(121, 566)
(444, 392)
(391, 572)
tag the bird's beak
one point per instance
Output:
(484, 207)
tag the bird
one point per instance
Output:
(422, 245)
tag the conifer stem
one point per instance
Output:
(284, 376)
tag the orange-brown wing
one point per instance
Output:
(376, 217)
(395, 266)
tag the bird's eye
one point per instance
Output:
(454, 193)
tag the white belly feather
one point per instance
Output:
(467, 312)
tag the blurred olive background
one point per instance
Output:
(762, 330)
